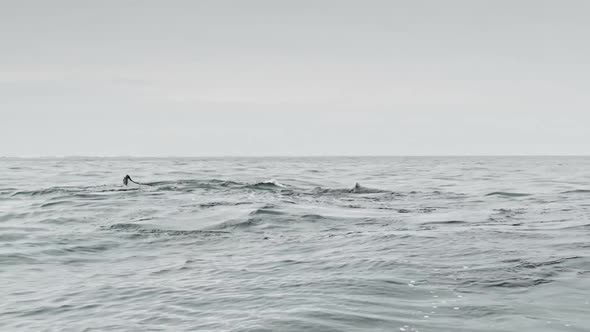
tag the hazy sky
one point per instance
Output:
(193, 78)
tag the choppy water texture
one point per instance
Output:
(271, 244)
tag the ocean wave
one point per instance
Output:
(56, 203)
(272, 217)
(507, 194)
(214, 184)
(577, 191)
(526, 264)
(270, 185)
(150, 229)
(266, 210)
(68, 191)
(517, 282)
(356, 189)
(445, 222)
(233, 225)
(17, 259)
(46, 191)
(196, 183)
(220, 203)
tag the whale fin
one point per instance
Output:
(357, 187)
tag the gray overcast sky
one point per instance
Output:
(191, 78)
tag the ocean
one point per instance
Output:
(294, 244)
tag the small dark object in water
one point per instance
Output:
(357, 188)
(127, 178)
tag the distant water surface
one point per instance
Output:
(292, 244)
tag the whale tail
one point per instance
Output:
(128, 179)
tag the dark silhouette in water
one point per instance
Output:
(127, 178)
(357, 188)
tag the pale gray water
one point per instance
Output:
(210, 246)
